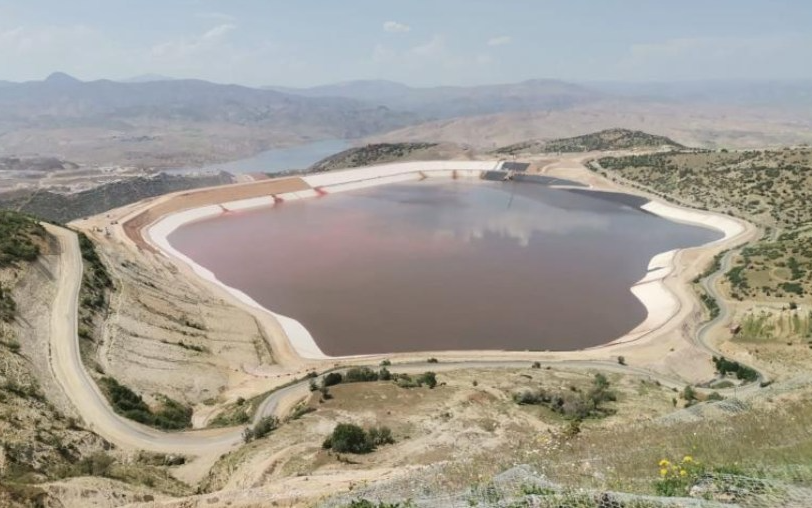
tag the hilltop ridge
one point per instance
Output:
(607, 139)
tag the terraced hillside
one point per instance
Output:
(605, 140)
(42, 439)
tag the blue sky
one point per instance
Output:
(420, 42)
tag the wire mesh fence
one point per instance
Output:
(522, 486)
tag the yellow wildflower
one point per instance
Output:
(688, 459)
(683, 473)
(664, 463)
(663, 472)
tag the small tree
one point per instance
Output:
(349, 438)
(332, 378)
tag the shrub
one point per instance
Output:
(381, 436)
(743, 372)
(432, 360)
(265, 426)
(349, 438)
(171, 416)
(427, 378)
(332, 379)
(360, 375)
(97, 464)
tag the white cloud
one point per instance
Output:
(395, 27)
(500, 40)
(183, 48)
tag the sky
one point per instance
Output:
(418, 42)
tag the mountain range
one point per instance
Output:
(156, 121)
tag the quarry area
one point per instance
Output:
(133, 377)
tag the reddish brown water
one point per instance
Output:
(444, 265)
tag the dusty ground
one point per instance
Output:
(470, 416)
(158, 299)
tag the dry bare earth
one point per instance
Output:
(167, 335)
(702, 126)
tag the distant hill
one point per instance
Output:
(146, 78)
(63, 100)
(67, 207)
(609, 139)
(454, 101)
(173, 123)
(381, 153)
(43, 164)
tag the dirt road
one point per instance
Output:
(83, 392)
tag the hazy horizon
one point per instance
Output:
(420, 43)
(150, 77)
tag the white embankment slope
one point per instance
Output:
(660, 302)
(323, 183)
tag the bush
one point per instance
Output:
(172, 416)
(427, 378)
(264, 427)
(572, 404)
(17, 234)
(332, 379)
(349, 438)
(97, 464)
(381, 436)
(725, 366)
(360, 375)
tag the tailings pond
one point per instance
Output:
(444, 265)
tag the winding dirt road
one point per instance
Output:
(84, 394)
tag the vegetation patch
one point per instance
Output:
(350, 438)
(172, 415)
(743, 372)
(8, 307)
(574, 404)
(20, 236)
(369, 155)
(609, 139)
(772, 188)
(264, 426)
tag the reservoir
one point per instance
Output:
(444, 264)
(276, 160)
